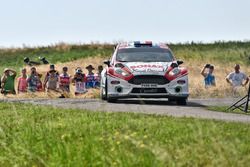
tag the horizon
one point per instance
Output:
(115, 43)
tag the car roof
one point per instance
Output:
(138, 44)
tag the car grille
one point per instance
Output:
(148, 79)
(148, 90)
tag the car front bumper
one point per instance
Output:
(126, 90)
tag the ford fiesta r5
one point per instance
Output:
(144, 70)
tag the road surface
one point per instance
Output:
(195, 108)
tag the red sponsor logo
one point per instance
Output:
(146, 66)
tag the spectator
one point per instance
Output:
(237, 77)
(22, 82)
(98, 76)
(34, 80)
(8, 81)
(209, 78)
(64, 82)
(51, 68)
(79, 82)
(52, 81)
(90, 78)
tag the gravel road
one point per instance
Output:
(195, 107)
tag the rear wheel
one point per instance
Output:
(182, 101)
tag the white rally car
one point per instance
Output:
(144, 70)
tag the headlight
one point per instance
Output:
(122, 72)
(174, 72)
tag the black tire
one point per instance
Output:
(104, 96)
(182, 101)
(171, 100)
(109, 99)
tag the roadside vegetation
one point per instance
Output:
(224, 52)
(44, 136)
(223, 55)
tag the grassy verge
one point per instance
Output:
(224, 109)
(44, 136)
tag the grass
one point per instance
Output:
(13, 57)
(224, 109)
(44, 136)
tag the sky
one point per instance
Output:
(44, 22)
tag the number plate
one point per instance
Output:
(149, 85)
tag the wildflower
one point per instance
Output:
(126, 137)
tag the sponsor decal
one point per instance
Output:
(147, 68)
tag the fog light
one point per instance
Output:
(119, 89)
(177, 89)
(115, 82)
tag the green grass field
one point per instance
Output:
(223, 52)
(224, 109)
(44, 136)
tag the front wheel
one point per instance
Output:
(182, 101)
(103, 91)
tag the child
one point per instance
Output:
(64, 82)
(22, 82)
(34, 81)
(98, 76)
(79, 82)
(51, 81)
(90, 78)
(8, 81)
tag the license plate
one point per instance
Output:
(149, 85)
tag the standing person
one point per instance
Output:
(8, 81)
(34, 81)
(64, 82)
(51, 67)
(51, 81)
(22, 82)
(79, 82)
(98, 76)
(209, 78)
(90, 77)
(237, 77)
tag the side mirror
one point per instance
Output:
(179, 62)
(107, 62)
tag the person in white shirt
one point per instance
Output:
(237, 77)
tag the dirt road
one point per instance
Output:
(195, 107)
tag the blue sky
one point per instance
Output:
(42, 22)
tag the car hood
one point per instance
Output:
(148, 67)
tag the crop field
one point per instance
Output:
(44, 136)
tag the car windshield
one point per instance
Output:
(144, 54)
